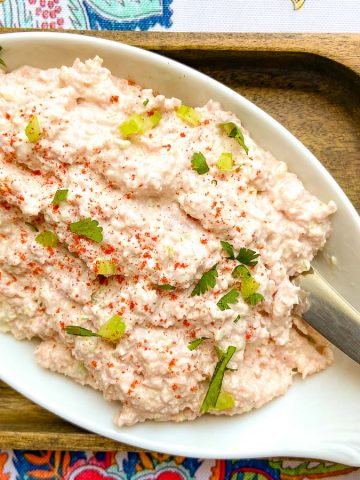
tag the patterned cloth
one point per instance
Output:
(181, 15)
(184, 15)
(19, 465)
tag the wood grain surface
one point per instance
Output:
(309, 82)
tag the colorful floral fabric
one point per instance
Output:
(86, 14)
(26, 465)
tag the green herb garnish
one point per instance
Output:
(189, 115)
(195, 343)
(225, 401)
(199, 164)
(229, 249)
(214, 389)
(79, 331)
(249, 285)
(230, 297)
(207, 280)
(165, 287)
(241, 272)
(138, 124)
(255, 298)
(214, 182)
(233, 131)
(113, 329)
(225, 162)
(145, 102)
(32, 227)
(33, 130)
(247, 257)
(88, 228)
(237, 319)
(47, 239)
(105, 267)
(59, 197)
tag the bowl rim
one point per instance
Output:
(234, 97)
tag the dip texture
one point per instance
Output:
(164, 213)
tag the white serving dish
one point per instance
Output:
(318, 418)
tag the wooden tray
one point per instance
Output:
(310, 83)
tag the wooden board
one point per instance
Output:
(309, 82)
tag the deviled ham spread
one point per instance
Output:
(151, 246)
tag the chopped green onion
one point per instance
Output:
(195, 343)
(32, 227)
(152, 120)
(165, 286)
(225, 162)
(33, 130)
(138, 124)
(145, 102)
(214, 389)
(199, 164)
(105, 267)
(237, 319)
(47, 239)
(59, 197)
(249, 287)
(113, 329)
(189, 115)
(233, 131)
(88, 228)
(225, 401)
(214, 182)
(132, 126)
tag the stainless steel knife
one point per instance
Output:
(331, 315)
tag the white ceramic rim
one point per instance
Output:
(123, 436)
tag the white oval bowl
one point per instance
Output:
(318, 417)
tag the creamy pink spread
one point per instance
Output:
(162, 224)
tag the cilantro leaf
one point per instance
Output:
(79, 331)
(237, 319)
(165, 287)
(229, 249)
(47, 239)
(60, 196)
(254, 298)
(247, 257)
(207, 280)
(199, 164)
(214, 389)
(195, 343)
(88, 228)
(233, 131)
(230, 297)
